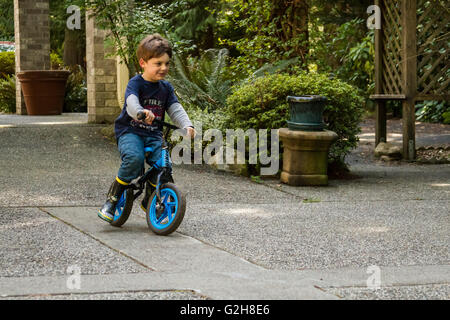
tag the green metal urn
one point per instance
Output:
(306, 113)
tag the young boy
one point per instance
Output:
(150, 93)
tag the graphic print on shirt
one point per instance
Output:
(156, 106)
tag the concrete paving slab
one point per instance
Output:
(14, 120)
(172, 253)
(258, 284)
(266, 285)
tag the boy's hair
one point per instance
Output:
(153, 46)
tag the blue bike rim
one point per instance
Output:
(119, 206)
(170, 209)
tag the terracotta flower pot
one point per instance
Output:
(43, 90)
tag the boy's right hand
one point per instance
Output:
(149, 116)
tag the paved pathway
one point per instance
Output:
(239, 239)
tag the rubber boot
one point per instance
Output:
(115, 192)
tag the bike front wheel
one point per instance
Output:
(165, 216)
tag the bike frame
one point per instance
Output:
(163, 165)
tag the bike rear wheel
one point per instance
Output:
(123, 208)
(164, 217)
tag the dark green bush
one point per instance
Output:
(7, 64)
(433, 111)
(8, 94)
(261, 104)
(75, 99)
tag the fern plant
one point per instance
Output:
(202, 82)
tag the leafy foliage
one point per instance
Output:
(202, 82)
(261, 104)
(56, 61)
(8, 94)
(270, 31)
(347, 53)
(6, 27)
(57, 24)
(196, 21)
(75, 99)
(433, 111)
(7, 64)
(129, 21)
(127, 25)
(335, 13)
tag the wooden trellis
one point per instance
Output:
(412, 51)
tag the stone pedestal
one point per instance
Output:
(305, 157)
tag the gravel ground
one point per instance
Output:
(417, 292)
(395, 214)
(48, 166)
(140, 295)
(326, 235)
(32, 243)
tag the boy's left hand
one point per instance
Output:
(190, 132)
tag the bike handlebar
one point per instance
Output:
(141, 116)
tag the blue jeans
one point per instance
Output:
(131, 148)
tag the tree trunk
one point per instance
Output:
(74, 49)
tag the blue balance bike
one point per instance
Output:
(167, 204)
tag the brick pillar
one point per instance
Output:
(103, 106)
(32, 39)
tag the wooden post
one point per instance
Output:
(409, 73)
(380, 125)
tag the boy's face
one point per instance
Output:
(155, 69)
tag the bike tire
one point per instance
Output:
(123, 208)
(173, 214)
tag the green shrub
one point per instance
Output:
(261, 104)
(56, 61)
(75, 99)
(7, 64)
(8, 94)
(446, 117)
(433, 111)
(215, 119)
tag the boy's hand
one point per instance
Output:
(149, 116)
(190, 132)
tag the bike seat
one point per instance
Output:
(148, 149)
